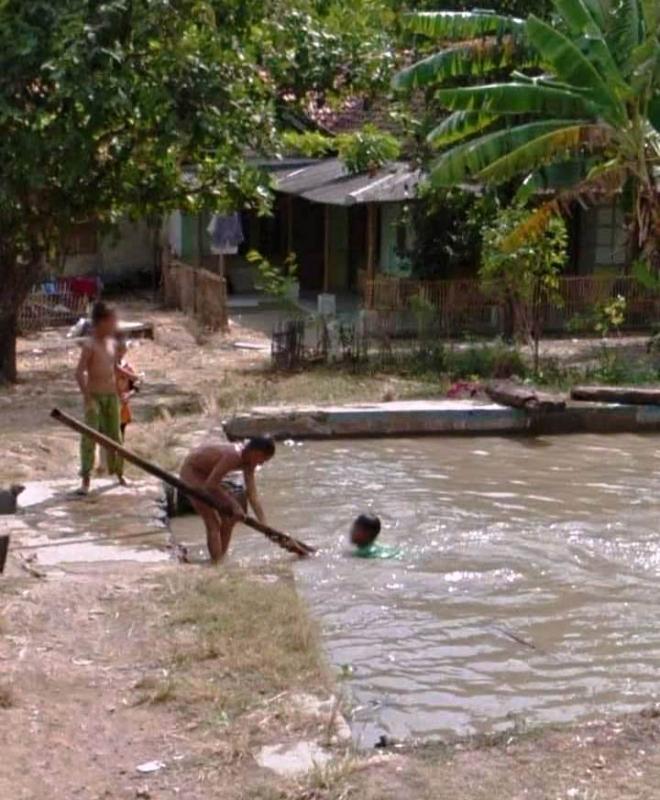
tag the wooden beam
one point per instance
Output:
(371, 250)
(527, 398)
(289, 224)
(326, 248)
(626, 395)
(280, 539)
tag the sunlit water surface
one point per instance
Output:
(528, 586)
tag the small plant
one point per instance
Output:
(524, 276)
(281, 283)
(425, 313)
(611, 316)
(367, 150)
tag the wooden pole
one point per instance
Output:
(289, 224)
(326, 248)
(281, 539)
(371, 252)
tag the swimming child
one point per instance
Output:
(364, 532)
(127, 384)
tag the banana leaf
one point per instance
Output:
(465, 161)
(517, 98)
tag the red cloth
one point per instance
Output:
(84, 286)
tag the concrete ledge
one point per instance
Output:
(411, 418)
(439, 417)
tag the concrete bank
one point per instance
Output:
(438, 417)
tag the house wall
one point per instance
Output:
(129, 251)
(338, 250)
(602, 239)
(394, 234)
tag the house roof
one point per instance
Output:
(329, 182)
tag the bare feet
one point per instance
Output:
(121, 480)
(83, 491)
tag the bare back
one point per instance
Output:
(215, 458)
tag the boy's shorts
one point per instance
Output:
(178, 504)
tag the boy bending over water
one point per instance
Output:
(97, 382)
(207, 467)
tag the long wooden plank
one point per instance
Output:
(279, 538)
(628, 395)
(527, 398)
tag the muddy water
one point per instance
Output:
(528, 587)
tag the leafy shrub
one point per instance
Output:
(367, 150)
(311, 144)
(485, 361)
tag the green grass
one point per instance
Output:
(233, 640)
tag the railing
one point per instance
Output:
(197, 292)
(462, 305)
(54, 302)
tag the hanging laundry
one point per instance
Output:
(226, 233)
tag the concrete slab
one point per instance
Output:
(51, 514)
(288, 760)
(438, 417)
(401, 418)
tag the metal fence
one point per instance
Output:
(462, 305)
(197, 292)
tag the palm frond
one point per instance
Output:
(570, 65)
(552, 177)
(625, 33)
(476, 58)
(464, 161)
(517, 98)
(651, 14)
(457, 25)
(539, 151)
(532, 226)
(577, 15)
(458, 126)
(602, 182)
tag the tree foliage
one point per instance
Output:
(526, 276)
(111, 109)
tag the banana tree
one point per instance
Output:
(578, 110)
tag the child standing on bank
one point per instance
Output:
(98, 385)
(127, 384)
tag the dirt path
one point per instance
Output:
(101, 673)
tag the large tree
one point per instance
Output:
(579, 109)
(104, 105)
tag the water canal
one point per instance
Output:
(527, 588)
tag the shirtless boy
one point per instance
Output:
(207, 467)
(97, 381)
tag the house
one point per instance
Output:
(127, 256)
(342, 228)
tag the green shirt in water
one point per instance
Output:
(377, 551)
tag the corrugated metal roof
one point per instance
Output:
(329, 182)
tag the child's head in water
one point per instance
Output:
(365, 530)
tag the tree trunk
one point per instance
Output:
(8, 334)
(507, 393)
(17, 278)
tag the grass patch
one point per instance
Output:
(235, 641)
